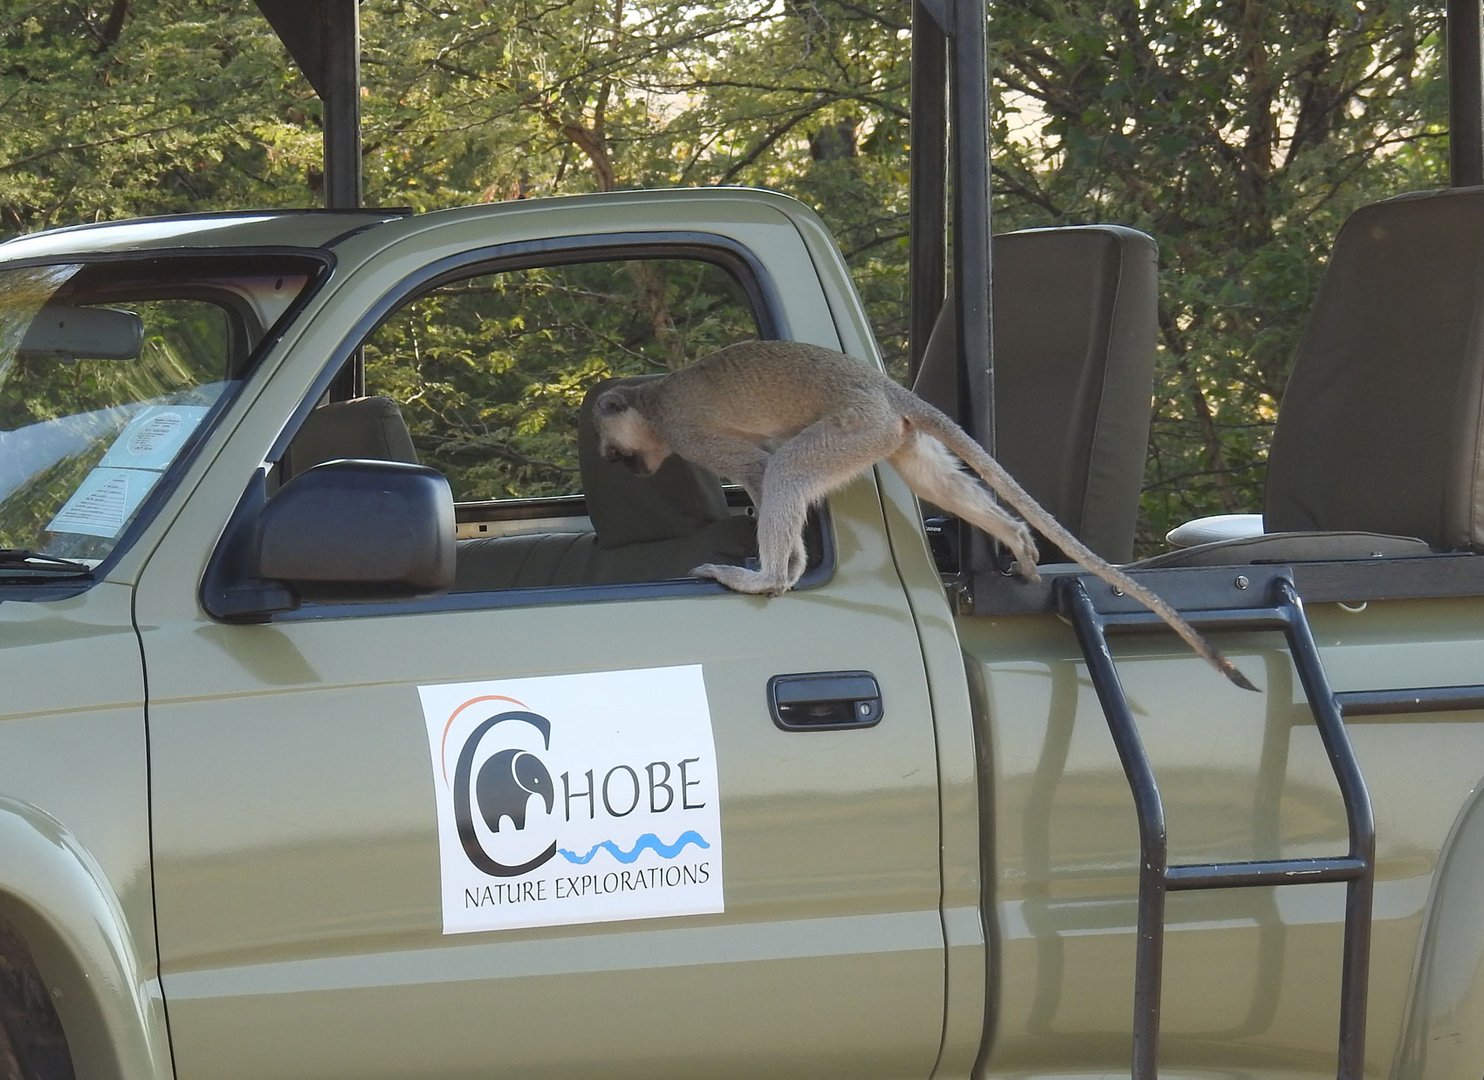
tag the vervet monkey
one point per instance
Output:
(792, 422)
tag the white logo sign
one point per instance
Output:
(575, 799)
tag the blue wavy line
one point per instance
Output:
(648, 841)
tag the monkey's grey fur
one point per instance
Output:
(792, 422)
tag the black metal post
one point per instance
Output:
(969, 74)
(951, 195)
(927, 210)
(340, 40)
(324, 38)
(1465, 93)
(972, 274)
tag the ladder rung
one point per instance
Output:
(1237, 875)
(1213, 619)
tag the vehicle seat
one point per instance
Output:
(645, 528)
(1380, 433)
(364, 427)
(1075, 318)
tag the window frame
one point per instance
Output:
(730, 255)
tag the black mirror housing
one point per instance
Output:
(356, 529)
(344, 530)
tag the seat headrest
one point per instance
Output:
(366, 427)
(1381, 426)
(626, 508)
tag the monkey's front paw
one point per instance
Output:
(740, 579)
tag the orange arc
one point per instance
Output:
(443, 744)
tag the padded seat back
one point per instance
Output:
(650, 528)
(1075, 317)
(1381, 427)
(627, 508)
(645, 528)
(365, 427)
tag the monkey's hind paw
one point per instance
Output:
(740, 579)
(1022, 545)
(1026, 568)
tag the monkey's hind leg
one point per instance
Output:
(937, 476)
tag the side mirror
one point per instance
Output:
(349, 529)
(353, 529)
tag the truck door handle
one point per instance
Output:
(825, 700)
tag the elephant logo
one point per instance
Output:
(501, 792)
(505, 785)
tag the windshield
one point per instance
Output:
(110, 373)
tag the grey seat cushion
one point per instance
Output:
(645, 528)
(1289, 547)
(365, 427)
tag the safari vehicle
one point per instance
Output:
(323, 755)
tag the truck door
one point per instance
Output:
(549, 822)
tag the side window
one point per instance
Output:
(490, 371)
(489, 374)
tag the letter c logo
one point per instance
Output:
(505, 783)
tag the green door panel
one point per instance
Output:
(297, 858)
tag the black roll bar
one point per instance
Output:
(950, 171)
(324, 38)
(1465, 93)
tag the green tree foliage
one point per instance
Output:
(115, 110)
(491, 370)
(1237, 132)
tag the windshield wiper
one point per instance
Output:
(40, 562)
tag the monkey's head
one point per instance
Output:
(624, 435)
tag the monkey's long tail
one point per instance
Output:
(937, 424)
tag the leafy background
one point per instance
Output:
(1239, 133)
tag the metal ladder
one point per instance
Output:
(1260, 598)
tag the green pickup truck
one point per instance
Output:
(333, 745)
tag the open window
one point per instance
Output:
(487, 375)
